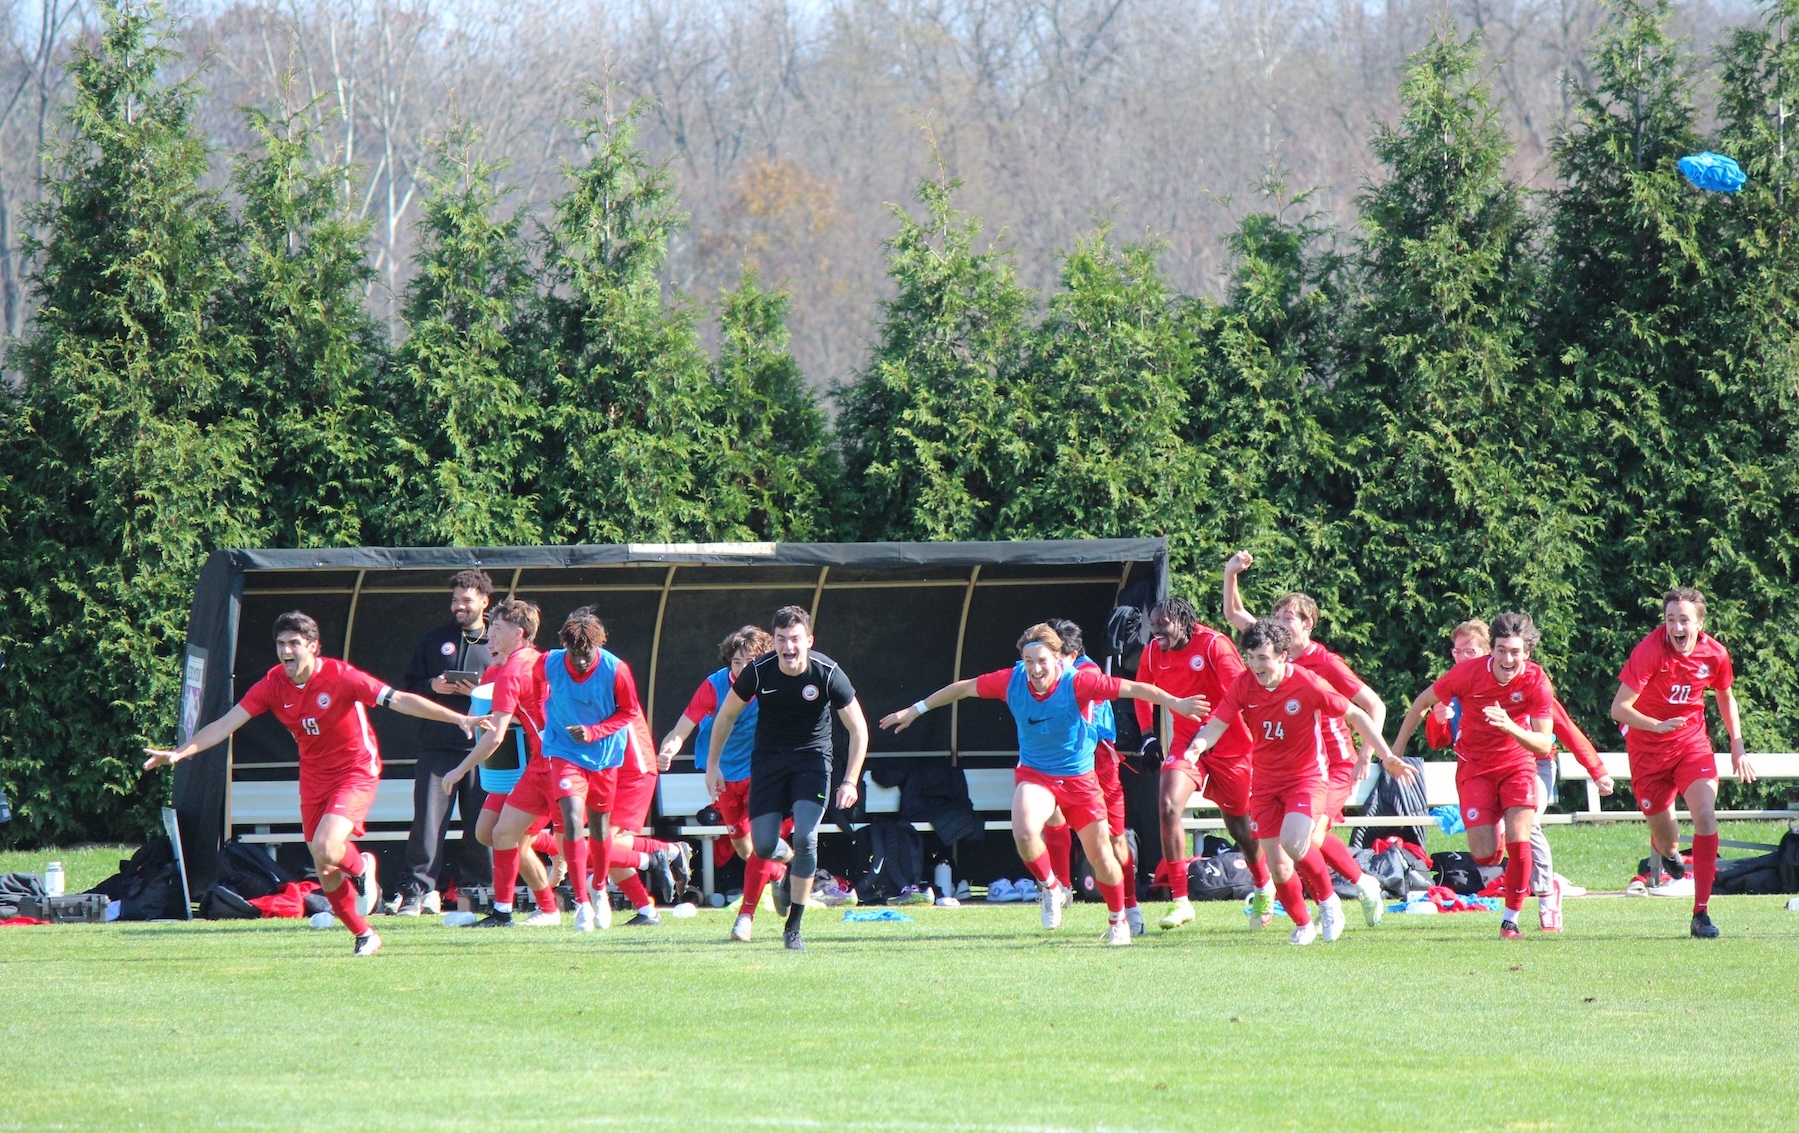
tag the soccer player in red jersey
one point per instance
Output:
(323, 702)
(1344, 767)
(1052, 706)
(1187, 658)
(1661, 705)
(1506, 726)
(1284, 708)
(517, 699)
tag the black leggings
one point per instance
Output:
(765, 834)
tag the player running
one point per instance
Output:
(633, 850)
(1344, 767)
(1506, 726)
(589, 700)
(323, 702)
(1187, 658)
(1285, 708)
(1661, 705)
(1051, 705)
(728, 777)
(795, 690)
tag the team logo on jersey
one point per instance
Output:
(563, 785)
(1292, 707)
(810, 692)
(1702, 671)
(1196, 663)
(1252, 826)
(1473, 813)
(448, 649)
(324, 700)
(1517, 698)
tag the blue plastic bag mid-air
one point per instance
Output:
(1713, 172)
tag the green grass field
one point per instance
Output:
(967, 1019)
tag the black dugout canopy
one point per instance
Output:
(902, 618)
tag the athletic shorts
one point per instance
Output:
(1485, 798)
(350, 796)
(545, 784)
(733, 805)
(602, 791)
(631, 802)
(1079, 796)
(1105, 769)
(776, 790)
(1657, 782)
(1268, 810)
(1223, 779)
(1339, 785)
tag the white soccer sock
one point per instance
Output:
(643, 861)
(646, 910)
(502, 906)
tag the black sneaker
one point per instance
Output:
(644, 920)
(366, 945)
(495, 920)
(680, 863)
(661, 878)
(792, 942)
(410, 905)
(782, 894)
(1703, 928)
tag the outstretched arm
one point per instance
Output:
(948, 694)
(412, 704)
(495, 731)
(1366, 727)
(1235, 612)
(1425, 702)
(1207, 736)
(211, 735)
(1192, 707)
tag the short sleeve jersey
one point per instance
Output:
(1205, 666)
(1056, 731)
(1671, 685)
(1286, 722)
(734, 761)
(328, 717)
(1481, 747)
(793, 720)
(1339, 747)
(519, 691)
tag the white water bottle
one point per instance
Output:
(946, 884)
(53, 882)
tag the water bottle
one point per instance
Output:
(53, 882)
(946, 884)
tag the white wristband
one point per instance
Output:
(921, 707)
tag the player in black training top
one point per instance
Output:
(795, 691)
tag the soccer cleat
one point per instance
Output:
(1673, 887)
(791, 941)
(1067, 895)
(411, 905)
(457, 918)
(367, 944)
(662, 878)
(830, 894)
(1049, 901)
(783, 896)
(1549, 907)
(1304, 934)
(433, 902)
(495, 920)
(741, 927)
(645, 920)
(1133, 916)
(368, 888)
(1331, 922)
(584, 917)
(680, 865)
(1508, 930)
(602, 911)
(543, 918)
(1179, 913)
(1373, 901)
(1118, 932)
(1261, 907)
(1703, 928)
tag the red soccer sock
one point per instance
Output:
(1041, 869)
(1517, 874)
(1114, 896)
(755, 877)
(650, 845)
(545, 843)
(343, 903)
(351, 862)
(1060, 841)
(1338, 857)
(1129, 866)
(1293, 899)
(545, 898)
(1705, 868)
(632, 887)
(599, 859)
(1258, 871)
(505, 875)
(1315, 875)
(1176, 878)
(574, 852)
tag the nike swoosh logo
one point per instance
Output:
(1035, 720)
(767, 691)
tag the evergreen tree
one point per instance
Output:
(128, 459)
(466, 424)
(934, 429)
(305, 351)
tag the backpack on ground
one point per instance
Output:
(248, 870)
(1221, 877)
(1390, 796)
(1774, 872)
(148, 884)
(1457, 870)
(889, 857)
(15, 889)
(222, 903)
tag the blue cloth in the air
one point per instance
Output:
(1713, 172)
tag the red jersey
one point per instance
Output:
(519, 691)
(1526, 697)
(328, 717)
(1441, 734)
(1339, 746)
(1206, 666)
(1671, 685)
(1286, 723)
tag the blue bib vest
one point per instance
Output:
(581, 702)
(1053, 736)
(734, 761)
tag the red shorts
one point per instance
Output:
(1105, 769)
(1656, 780)
(1268, 810)
(733, 804)
(631, 802)
(1485, 798)
(350, 796)
(602, 790)
(1079, 796)
(1223, 779)
(1339, 785)
(543, 786)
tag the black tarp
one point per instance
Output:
(896, 615)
